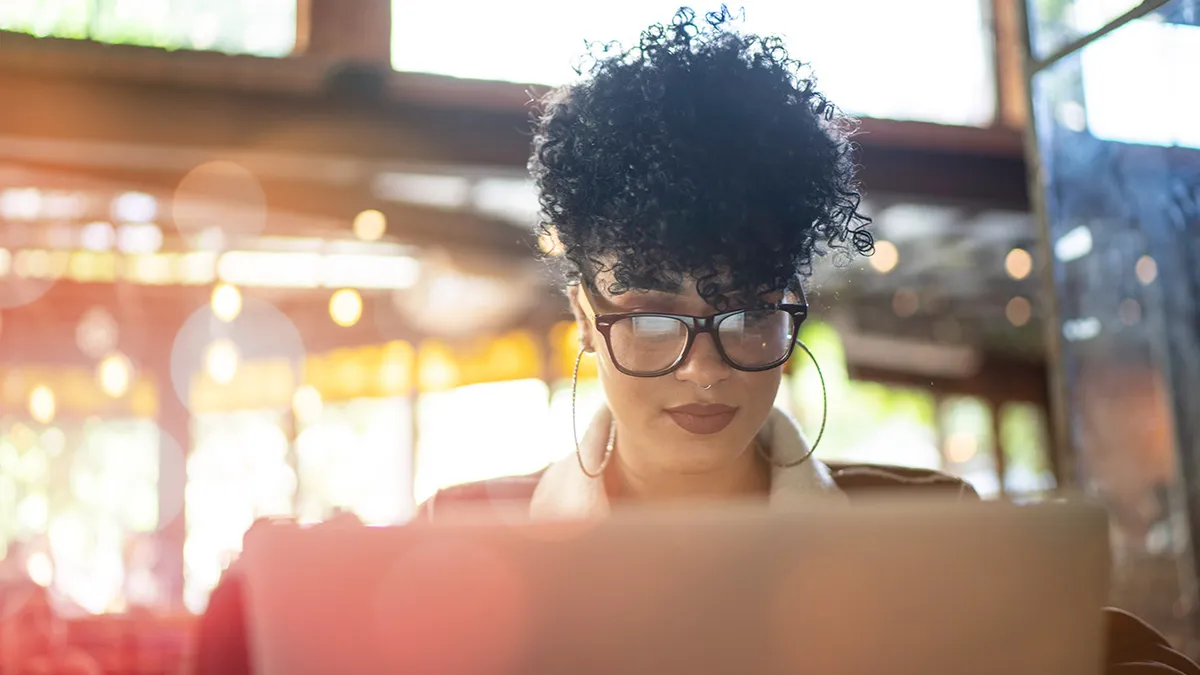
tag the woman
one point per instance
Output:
(686, 186)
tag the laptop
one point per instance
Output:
(877, 587)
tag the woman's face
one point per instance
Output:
(695, 420)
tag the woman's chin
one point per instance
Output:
(687, 454)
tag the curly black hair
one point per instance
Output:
(704, 152)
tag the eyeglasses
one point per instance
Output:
(644, 344)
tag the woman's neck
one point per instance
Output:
(748, 475)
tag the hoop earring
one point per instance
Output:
(612, 431)
(824, 416)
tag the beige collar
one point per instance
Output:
(565, 491)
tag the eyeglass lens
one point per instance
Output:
(750, 339)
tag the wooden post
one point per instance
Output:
(1009, 67)
(174, 424)
(345, 30)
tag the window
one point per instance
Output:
(480, 431)
(357, 457)
(259, 27)
(238, 471)
(1024, 437)
(968, 443)
(78, 502)
(867, 422)
(1146, 61)
(876, 58)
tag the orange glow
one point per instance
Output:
(1018, 311)
(1147, 270)
(961, 447)
(370, 225)
(1018, 263)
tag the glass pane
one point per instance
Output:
(259, 27)
(901, 76)
(1056, 23)
(1145, 61)
(1123, 220)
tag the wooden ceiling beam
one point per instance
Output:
(423, 119)
(328, 210)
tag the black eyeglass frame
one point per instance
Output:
(703, 324)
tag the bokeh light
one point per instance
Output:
(40, 568)
(17, 287)
(260, 336)
(221, 361)
(307, 405)
(96, 333)
(1130, 312)
(370, 225)
(226, 302)
(1018, 263)
(114, 375)
(885, 258)
(1147, 270)
(42, 404)
(222, 195)
(346, 307)
(1018, 311)
(961, 447)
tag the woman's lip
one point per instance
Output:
(702, 409)
(702, 419)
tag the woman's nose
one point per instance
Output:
(703, 363)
